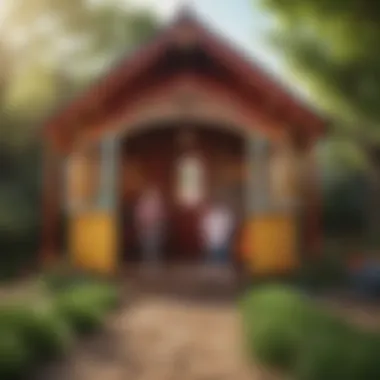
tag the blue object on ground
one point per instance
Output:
(366, 280)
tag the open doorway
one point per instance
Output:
(190, 166)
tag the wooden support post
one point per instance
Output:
(257, 187)
(108, 189)
(271, 233)
(256, 190)
(94, 225)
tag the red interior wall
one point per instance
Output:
(154, 154)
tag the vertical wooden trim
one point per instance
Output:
(250, 183)
(257, 186)
(74, 202)
(51, 197)
(104, 190)
(117, 202)
(109, 191)
(108, 176)
(286, 189)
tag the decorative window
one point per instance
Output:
(190, 181)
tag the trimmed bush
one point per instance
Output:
(327, 352)
(108, 295)
(31, 334)
(284, 330)
(43, 331)
(338, 351)
(66, 278)
(15, 358)
(86, 306)
(275, 321)
(366, 356)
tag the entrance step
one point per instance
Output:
(185, 280)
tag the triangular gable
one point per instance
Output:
(187, 97)
(186, 29)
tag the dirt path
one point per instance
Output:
(163, 336)
(160, 338)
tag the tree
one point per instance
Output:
(332, 45)
(57, 47)
(69, 39)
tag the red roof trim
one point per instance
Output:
(126, 68)
(222, 48)
(219, 47)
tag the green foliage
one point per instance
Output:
(329, 46)
(338, 351)
(328, 270)
(19, 207)
(274, 344)
(64, 277)
(286, 331)
(108, 295)
(366, 356)
(274, 320)
(36, 77)
(345, 205)
(42, 330)
(14, 355)
(85, 306)
(66, 280)
(324, 353)
(128, 30)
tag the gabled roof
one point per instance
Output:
(187, 26)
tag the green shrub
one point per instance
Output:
(366, 356)
(279, 322)
(85, 307)
(14, 355)
(271, 297)
(275, 322)
(32, 334)
(65, 278)
(329, 270)
(286, 331)
(42, 330)
(83, 317)
(273, 344)
(330, 352)
(108, 295)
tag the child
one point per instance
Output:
(150, 225)
(217, 228)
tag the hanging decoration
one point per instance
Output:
(190, 181)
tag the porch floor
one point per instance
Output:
(186, 280)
